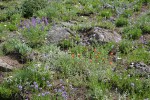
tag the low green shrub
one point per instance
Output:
(31, 6)
(3, 17)
(145, 28)
(127, 13)
(1, 29)
(139, 55)
(12, 27)
(15, 17)
(15, 46)
(66, 43)
(145, 2)
(121, 22)
(5, 93)
(132, 85)
(35, 36)
(137, 7)
(134, 33)
(106, 13)
(125, 47)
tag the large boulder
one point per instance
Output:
(57, 33)
(100, 35)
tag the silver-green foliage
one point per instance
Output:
(15, 46)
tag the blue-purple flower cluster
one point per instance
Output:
(33, 22)
(64, 90)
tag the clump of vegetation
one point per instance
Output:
(121, 22)
(29, 7)
(106, 13)
(134, 33)
(125, 47)
(5, 93)
(127, 13)
(145, 28)
(35, 31)
(137, 7)
(18, 48)
(65, 44)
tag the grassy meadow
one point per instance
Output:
(67, 70)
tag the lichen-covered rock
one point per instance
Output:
(142, 67)
(100, 35)
(57, 33)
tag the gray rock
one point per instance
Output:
(4, 67)
(106, 35)
(101, 35)
(57, 33)
(140, 66)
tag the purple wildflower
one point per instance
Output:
(49, 85)
(142, 39)
(43, 94)
(34, 83)
(36, 86)
(46, 93)
(63, 87)
(38, 21)
(26, 24)
(64, 95)
(45, 21)
(33, 21)
(59, 90)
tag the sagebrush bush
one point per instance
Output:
(31, 6)
(15, 46)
